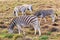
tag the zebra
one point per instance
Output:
(22, 9)
(23, 21)
(28, 7)
(44, 13)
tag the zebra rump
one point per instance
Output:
(22, 21)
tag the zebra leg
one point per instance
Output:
(23, 13)
(45, 19)
(41, 16)
(23, 31)
(35, 31)
(53, 18)
(34, 28)
(19, 28)
(37, 27)
(17, 14)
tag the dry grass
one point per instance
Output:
(6, 15)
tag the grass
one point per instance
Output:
(37, 5)
(4, 31)
(49, 33)
(5, 35)
(17, 36)
(44, 37)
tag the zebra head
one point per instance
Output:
(30, 8)
(10, 30)
(11, 26)
(38, 14)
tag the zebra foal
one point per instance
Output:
(22, 8)
(44, 13)
(23, 21)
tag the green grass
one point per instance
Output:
(43, 37)
(37, 5)
(5, 35)
(49, 33)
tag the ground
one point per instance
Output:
(50, 31)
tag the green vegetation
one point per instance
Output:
(6, 16)
(44, 37)
(49, 33)
(5, 31)
(4, 35)
(17, 36)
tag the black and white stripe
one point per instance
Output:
(19, 9)
(24, 21)
(22, 8)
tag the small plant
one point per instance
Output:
(16, 36)
(35, 38)
(44, 37)
(5, 31)
(9, 35)
(4, 35)
(49, 33)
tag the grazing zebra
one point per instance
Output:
(22, 9)
(44, 13)
(23, 21)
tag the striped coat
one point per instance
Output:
(44, 13)
(19, 9)
(22, 21)
(22, 9)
